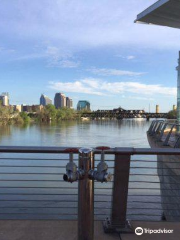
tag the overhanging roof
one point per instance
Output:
(163, 12)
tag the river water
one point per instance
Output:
(31, 185)
(125, 133)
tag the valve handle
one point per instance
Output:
(71, 150)
(103, 148)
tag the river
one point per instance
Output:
(33, 189)
(125, 133)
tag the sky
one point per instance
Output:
(90, 50)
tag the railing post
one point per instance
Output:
(151, 127)
(162, 131)
(86, 197)
(118, 221)
(168, 136)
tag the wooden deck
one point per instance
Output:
(67, 230)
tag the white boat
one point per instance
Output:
(85, 118)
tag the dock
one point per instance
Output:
(67, 193)
(67, 230)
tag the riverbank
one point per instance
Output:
(48, 114)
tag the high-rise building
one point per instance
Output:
(69, 102)
(44, 100)
(174, 108)
(4, 98)
(59, 100)
(83, 105)
(18, 108)
(157, 108)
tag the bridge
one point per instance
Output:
(121, 113)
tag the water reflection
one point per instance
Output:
(5, 131)
(123, 133)
(32, 183)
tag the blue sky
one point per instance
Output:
(88, 50)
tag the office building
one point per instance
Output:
(69, 102)
(59, 100)
(174, 108)
(32, 108)
(18, 108)
(44, 100)
(83, 105)
(4, 98)
(157, 108)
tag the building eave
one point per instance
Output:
(163, 13)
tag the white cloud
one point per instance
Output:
(76, 87)
(68, 64)
(6, 50)
(100, 87)
(31, 56)
(60, 58)
(130, 57)
(142, 98)
(114, 72)
(83, 24)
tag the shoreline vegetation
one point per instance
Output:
(48, 114)
(172, 114)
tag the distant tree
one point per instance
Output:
(6, 114)
(25, 118)
(82, 112)
(47, 113)
(66, 114)
(172, 114)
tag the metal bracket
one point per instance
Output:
(109, 228)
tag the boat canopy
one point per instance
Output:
(163, 12)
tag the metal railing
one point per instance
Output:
(166, 132)
(32, 186)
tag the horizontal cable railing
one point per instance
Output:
(166, 132)
(32, 185)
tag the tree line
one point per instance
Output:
(47, 114)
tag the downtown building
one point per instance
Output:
(44, 100)
(59, 100)
(69, 102)
(18, 108)
(83, 105)
(4, 98)
(32, 108)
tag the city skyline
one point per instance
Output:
(104, 60)
(68, 102)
